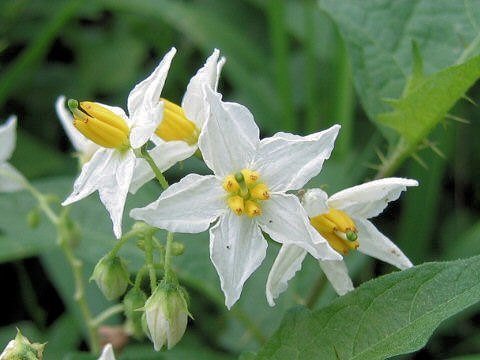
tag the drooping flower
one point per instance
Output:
(10, 178)
(84, 147)
(107, 353)
(247, 193)
(342, 220)
(114, 169)
(176, 137)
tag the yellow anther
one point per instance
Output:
(260, 192)
(252, 209)
(175, 125)
(237, 204)
(100, 125)
(338, 229)
(250, 176)
(230, 184)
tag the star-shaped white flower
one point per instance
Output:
(247, 193)
(343, 220)
(195, 109)
(107, 353)
(10, 178)
(110, 170)
(84, 148)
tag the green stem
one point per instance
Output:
(149, 261)
(316, 291)
(394, 160)
(158, 174)
(104, 315)
(124, 239)
(168, 255)
(141, 273)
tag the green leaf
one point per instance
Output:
(427, 100)
(391, 315)
(379, 35)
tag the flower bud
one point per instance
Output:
(112, 277)
(166, 313)
(21, 348)
(33, 218)
(177, 248)
(133, 301)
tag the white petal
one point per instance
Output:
(107, 353)
(230, 136)
(144, 106)
(194, 103)
(337, 273)
(374, 243)
(237, 248)
(7, 138)
(91, 176)
(287, 162)
(10, 178)
(287, 263)
(165, 155)
(188, 206)
(315, 202)
(286, 221)
(80, 143)
(370, 199)
(114, 187)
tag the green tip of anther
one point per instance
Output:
(351, 236)
(239, 177)
(72, 104)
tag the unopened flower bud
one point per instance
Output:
(133, 301)
(111, 275)
(20, 348)
(33, 218)
(166, 313)
(177, 248)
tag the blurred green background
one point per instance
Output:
(288, 62)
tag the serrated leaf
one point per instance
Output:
(388, 316)
(428, 100)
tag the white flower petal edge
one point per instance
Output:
(8, 138)
(337, 273)
(285, 220)
(287, 162)
(287, 263)
(370, 199)
(230, 136)
(10, 178)
(144, 105)
(377, 245)
(193, 102)
(107, 353)
(80, 143)
(189, 206)
(315, 202)
(237, 248)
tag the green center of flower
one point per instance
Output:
(245, 193)
(338, 229)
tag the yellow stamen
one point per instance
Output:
(260, 192)
(175, 125)
(100, 125)
(250, 176)
(237, 204)
(230, 184)
(252, 209)
(338, 229)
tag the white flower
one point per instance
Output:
(84, 148)
(343, 220)
(246, 193)
(107, 353)
(110, 170)
(176, 137)
(10, 178)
